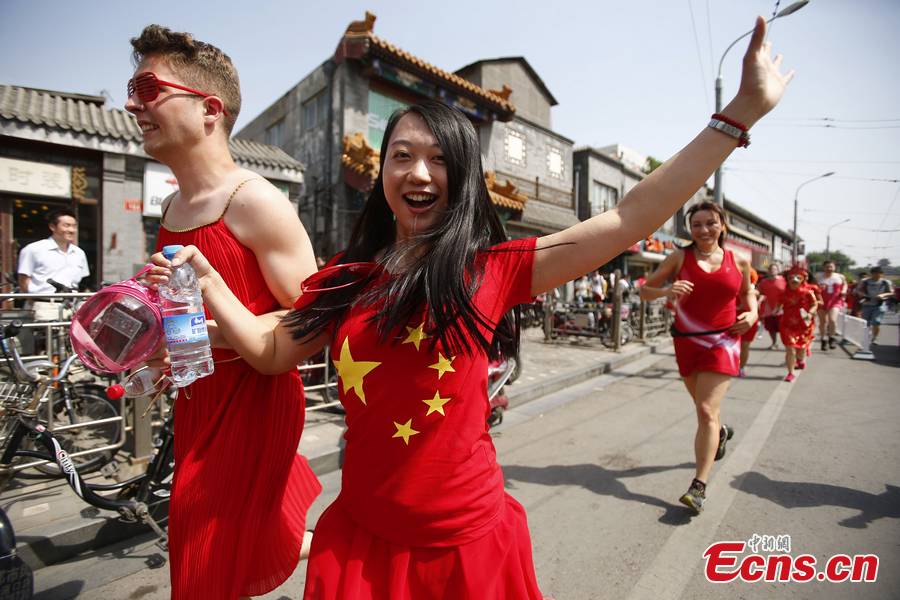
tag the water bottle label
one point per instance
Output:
(185, 329)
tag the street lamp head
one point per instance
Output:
(789, 10)
(828, 174)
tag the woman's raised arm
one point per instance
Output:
(565, 255)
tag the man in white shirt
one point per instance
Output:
(56, 258)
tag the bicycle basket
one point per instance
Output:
(117, 328)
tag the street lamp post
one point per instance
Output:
(796, 198)
(717, 189)
(828, 238)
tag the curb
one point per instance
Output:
(518, 396)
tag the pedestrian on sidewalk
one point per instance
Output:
(708, 284)
(414, 308)
(798, 303)
(874, 290)
(241, 492)
(57, 258)
(833, 288)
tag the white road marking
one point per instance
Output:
(672, 569)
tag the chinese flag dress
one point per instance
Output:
(797, 321)
(241, 492)
(422, 513)
(703, 316)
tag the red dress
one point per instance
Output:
(710, 307)
(422, 512)
(797, 322)
(241, 491)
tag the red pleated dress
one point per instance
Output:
(241, 491)
(422, 513)
(710, 307)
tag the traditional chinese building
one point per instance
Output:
(334, 119)
(69, 150)
(602, 178)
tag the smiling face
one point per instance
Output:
(795, 280)
(829, 268)
(706, 228)
(414, 177)
(64, 230)
(174, 119)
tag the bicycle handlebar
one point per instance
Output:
(61, 288)
(12, 329)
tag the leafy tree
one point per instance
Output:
(652, 164)
(884, 263)
(842, 262)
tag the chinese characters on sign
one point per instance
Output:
(40, 179)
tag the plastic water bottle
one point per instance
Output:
(185, 324)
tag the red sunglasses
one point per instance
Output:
(146, 86)
(330, 278)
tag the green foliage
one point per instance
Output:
(842, 262)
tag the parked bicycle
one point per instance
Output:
(592, 321)
(141, 499)
(65, 404)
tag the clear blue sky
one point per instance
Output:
(636, 73)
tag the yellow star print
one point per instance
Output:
(443, 365)
(352, 371)
(404, 431)
(416, 335)
(436, 404)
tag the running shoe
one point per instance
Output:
(801, 364)
(824, 344)
(694, 498)
(742, 373)
(831, 343)
(790, 377)
(725, 434)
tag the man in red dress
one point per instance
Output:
(241, 492)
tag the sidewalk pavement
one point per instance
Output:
(52, 524)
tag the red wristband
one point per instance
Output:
(731, 122)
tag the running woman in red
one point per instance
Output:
(833, 286)
(708, 284)
(241, 491)
(413, 309)
(770, 290)
(798, 325)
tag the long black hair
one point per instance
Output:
(445, 273)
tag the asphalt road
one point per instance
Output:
(600, 466)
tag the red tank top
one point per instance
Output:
(713, 303)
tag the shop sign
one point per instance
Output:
(159, 184)
(40, 179)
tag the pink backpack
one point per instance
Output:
(118, 328)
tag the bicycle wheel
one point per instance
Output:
(89, 403)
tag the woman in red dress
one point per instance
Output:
(798, 326)
(413, 309)
(708, 284)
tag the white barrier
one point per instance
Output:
(855, 331)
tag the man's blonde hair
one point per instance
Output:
(202, 66)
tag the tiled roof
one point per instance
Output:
(75, 112)
(359, 41)
(384, 47)
(87, 114)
